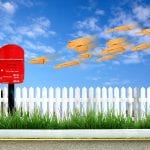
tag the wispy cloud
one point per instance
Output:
(116, 82)
(29, 54)
(133, 58)
(94, 78)
(142, 13)
(99, 12)
(27, 3)
(91, 4)
(38, 47)
(89, 24)
(39, 27)
(8, 7)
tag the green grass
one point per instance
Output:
(75, 121)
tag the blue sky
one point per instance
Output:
(43, 28)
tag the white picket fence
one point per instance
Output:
(64, 101)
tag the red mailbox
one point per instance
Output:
(11, 64)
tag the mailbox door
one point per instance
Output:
(11, 64)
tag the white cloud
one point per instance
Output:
(133, 58)
(79, 33)
(39, 27)
(91, 4)
(115, 62)
(8, 7)
(121, 18)
(89, 24)
(29, 54)
(99, 12)
(116, 82)
(27, 3)
(142, 13)
(94, 78)
(38, 47)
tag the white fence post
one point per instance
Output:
(84, 100)
(91, 98)
(123, 102)
(18, 99)
(130, 100)
(51, 101)
(5, 100)
(143, 100)
(116, 100)
(44, 100)
(57, 102)
(104, 100)
(71, 101)
(136, 103)
(24, 99)
(64, 102)
(31, 100)
(148, 101)
(38, 96)
(98, 100)
(77, 99)
(110, 99)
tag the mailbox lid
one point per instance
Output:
(11, 51)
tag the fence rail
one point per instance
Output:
(62, 102)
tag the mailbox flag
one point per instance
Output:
(11, 64)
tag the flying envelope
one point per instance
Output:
(85, 55)
(38, 60)
(107, 57)
(117, 41)
(122, 28)
(145, 32)
(141, 47)
(67, 64)
(82, 44)
(114, 49)
(80, 41)
(84, 48)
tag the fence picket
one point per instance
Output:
(31, 100)
(38, 96)
(130, 100)
(123, 101)
(104, 100)
(18, 98)
(110, 99)
(24, 99)
(84, 100)
(5, 100)
(71, 101)
(91, 98)
(148, 101)
(98, 100)
(136, 103)
(64, 102)
(116, 100)
(51, 101)
(77, 99)
(142, 101)
(57, 102)
(44, 100)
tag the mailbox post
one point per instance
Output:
(11, 70)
